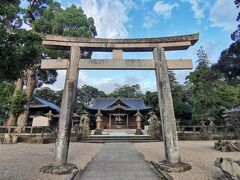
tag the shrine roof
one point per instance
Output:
(110, 104)
(40, 102)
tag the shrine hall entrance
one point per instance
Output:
(118, 121)
(118, 113)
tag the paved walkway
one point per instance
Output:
(118, 161)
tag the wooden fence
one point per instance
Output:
(208, 132)
(29, 130)
(183, 131)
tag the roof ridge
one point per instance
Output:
(119, 99)
(102, 98)
(133, 98)
(44, 99)
(49, 103)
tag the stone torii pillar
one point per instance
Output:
(60, 165)
(173, 160)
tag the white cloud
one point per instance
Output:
(211, 50)
(59, 84)
(149, 21)
(110, 17)
(224, 14)
(198, 7)
(164, 9)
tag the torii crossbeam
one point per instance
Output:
(117, 46)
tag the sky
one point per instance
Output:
(213, 19)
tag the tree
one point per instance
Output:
(181, 100)
(31, 73)
(9, 13)
(127, 91)
(85, 95)
(70, 21)
(210, 95)
(236, 34)
(182, 105)
(17, 46)
(151, 100)
(5, 95)
(229, 63)
(50, 95)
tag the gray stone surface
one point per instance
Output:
(66, 112)
(118, 161)
(166, 108)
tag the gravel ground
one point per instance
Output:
(23, 161)
(200, 154)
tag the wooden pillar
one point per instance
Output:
(127, 120)
(66, 112)
(166, 108)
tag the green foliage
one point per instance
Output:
(210, 95)
(6, 91)
(17, 102)
(236, 34)
(127, 91)
(151, 100)
(9, 13)
(85, 95)
(67, 22)
(181, 100)
(18, 51)
(229, 63)
(50, 95)
(34, 10)
(45, 76)
(18, 48)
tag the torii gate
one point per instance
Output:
(117, 46)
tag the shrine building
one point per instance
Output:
(118, 113)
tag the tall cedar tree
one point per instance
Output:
(210, 95)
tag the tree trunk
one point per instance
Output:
(12, 118)
(31, 84)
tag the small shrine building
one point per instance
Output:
(118, 113)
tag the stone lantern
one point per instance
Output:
(49, 115)
(211, 124)
(138, 120)
(203, 127)
(98, 130)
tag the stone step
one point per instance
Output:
(118, 140)
(108, 139)
(120, 137)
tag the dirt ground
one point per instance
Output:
(23, 161)
(200, 154)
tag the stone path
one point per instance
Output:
(118, 161)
